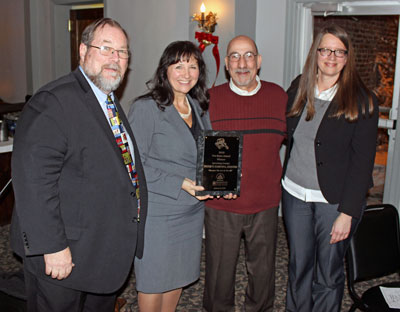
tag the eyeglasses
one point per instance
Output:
(328, 52)
(107, 51)
(248, 56)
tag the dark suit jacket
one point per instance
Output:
(344, 154)
(72, 188)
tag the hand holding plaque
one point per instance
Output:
(219, 162)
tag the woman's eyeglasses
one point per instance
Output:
(328, 52)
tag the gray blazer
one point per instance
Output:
(167, 150)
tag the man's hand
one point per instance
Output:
(59, 264)
(230, 196)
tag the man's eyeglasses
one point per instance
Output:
(248, 56)
(107, 51)
(328, 52)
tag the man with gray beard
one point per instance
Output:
(80, 192)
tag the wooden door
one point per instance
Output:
(79, 19)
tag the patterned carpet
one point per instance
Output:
(192, 295)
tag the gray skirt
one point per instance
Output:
(172, 249)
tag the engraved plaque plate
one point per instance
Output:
(219, 162)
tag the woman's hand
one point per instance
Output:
(341, 228)
(190, 187)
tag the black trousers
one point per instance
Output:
(44, 296)
(224, 231)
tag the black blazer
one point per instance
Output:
(72, 188)
(344, 154)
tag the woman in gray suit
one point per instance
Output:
(166, 122)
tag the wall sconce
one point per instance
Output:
(205, 23)
(207, 26)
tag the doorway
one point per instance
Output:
(78, 20)
(299, 32)
(374, 38)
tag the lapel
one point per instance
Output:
(176, 120)
(292, 122)
(135, 152)
(94, 107)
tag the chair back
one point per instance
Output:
(374, 249)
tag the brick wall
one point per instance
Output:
(375, 42)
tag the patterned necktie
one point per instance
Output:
(122, 141)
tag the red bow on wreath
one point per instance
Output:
(206, 39)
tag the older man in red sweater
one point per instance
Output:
(257, 109)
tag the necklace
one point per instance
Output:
(184, 116)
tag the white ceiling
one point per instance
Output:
(72, 2)
(364, 2)
(353, 7)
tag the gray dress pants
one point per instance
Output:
(316, 267)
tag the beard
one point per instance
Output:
(107, 85)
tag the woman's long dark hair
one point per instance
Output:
(159, 87)
(350, 85)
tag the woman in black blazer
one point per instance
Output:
(332, 124)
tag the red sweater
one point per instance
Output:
(261, 118)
